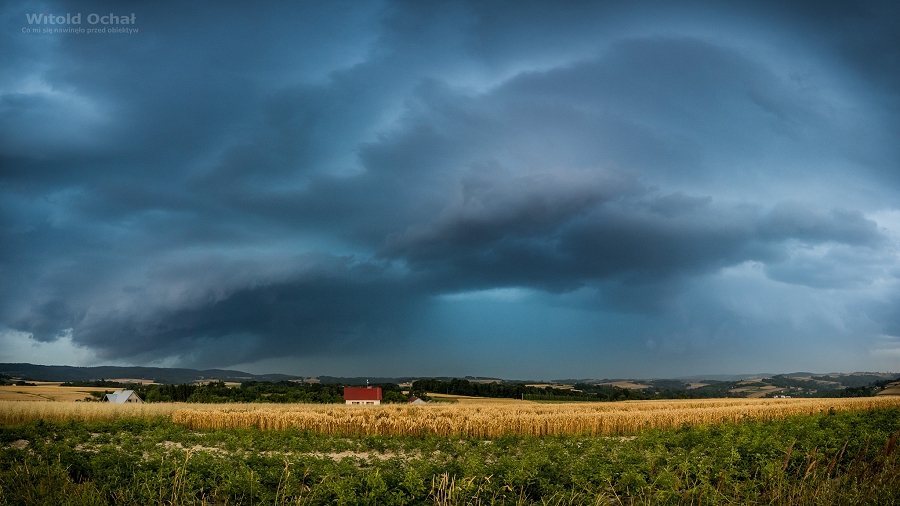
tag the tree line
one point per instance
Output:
(250, 391)
(325, 393)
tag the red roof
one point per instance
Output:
(362, 394)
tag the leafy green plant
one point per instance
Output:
(840, 458)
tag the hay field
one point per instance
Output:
(492, 420)
(892, 389)
(46, 391)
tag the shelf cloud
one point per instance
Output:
(517, 189)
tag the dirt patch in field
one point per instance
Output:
(168, 445)
(338, 456)
(19, 444)
(335, 456)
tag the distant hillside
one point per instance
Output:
(373, 380)
(158, 374)
(801, 384)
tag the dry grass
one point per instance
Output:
(15, 412)
(490, 420)
(52, 391)
(476, 419)
(46, 391)
(892, 389)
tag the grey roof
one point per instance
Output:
(120, 396)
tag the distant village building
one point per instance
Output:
(123, 397)
(415, 400)
(370, 396)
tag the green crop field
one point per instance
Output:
(842, 458)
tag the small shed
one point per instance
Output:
(123, 397)
(370, 396)
(415, 400)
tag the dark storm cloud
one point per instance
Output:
(329, 313)
(240, 183)
(535, 233)
(308, 305)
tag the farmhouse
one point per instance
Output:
(367, 396)
(123, 397)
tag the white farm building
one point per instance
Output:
(123, 397)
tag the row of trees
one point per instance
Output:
(251, 391)
(581, 391)
(293, 392)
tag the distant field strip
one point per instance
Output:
(491, 420)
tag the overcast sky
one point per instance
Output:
(515, 189)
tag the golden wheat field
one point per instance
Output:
(471, 419)
(42, 391)
(13, 412)
(491, 420)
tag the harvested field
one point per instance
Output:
(46, 391)
(891, 389)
